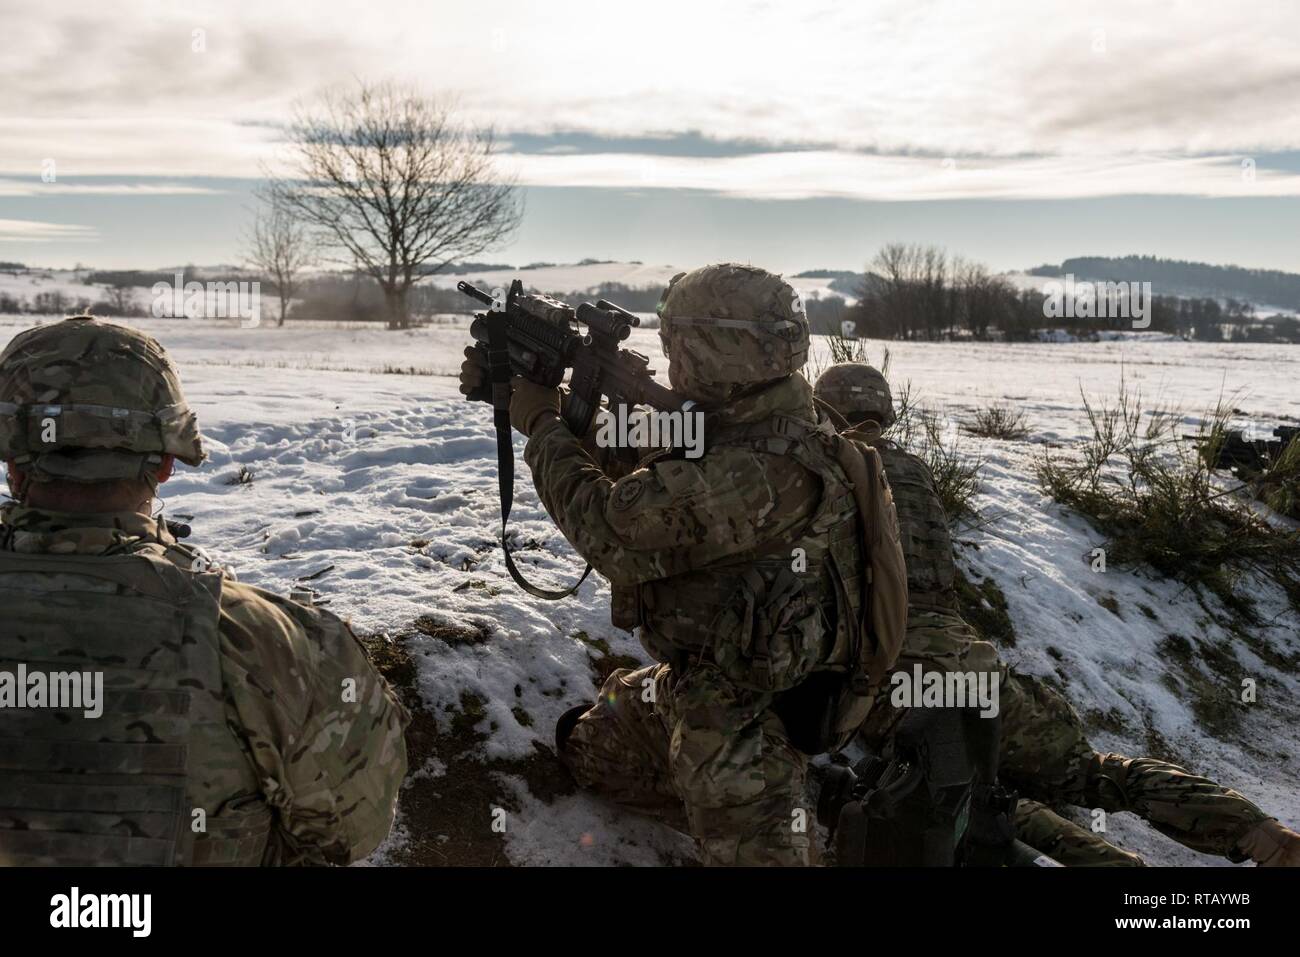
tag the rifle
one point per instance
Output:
(537, 337)
(1238, 453)
(936, 803)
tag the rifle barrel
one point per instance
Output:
(474, 292)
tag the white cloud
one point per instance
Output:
(31, 231)
(1105, 98)
(28, 188)
(867, 176)
(133, 145)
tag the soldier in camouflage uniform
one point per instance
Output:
(1045, 753)
(237, 727)
(699, 557)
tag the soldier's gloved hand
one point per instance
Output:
(1271, 844)
(531, 403)
(473, 371)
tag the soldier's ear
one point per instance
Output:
(165, 469)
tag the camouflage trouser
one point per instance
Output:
(1046, 756)
(1066, 842)
(701, 755)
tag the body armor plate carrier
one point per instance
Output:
(118, 788)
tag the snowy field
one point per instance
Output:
(388, 481)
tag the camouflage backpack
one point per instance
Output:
(884, 616)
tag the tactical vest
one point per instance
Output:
(120, 788)
(923, 530)
(771, 617)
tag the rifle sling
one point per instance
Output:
(499, 371)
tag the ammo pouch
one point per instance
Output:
(774, 639)
(769, 637)
(625, 606)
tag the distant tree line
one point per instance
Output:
(121, 301)
(915, 291)
(123, 293)
(1270, 286)
(335, 296)
(358, 298)
(919, 292)
(908, 292)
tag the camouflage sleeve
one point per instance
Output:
(608, 460)
(320, 723)
(673, 516)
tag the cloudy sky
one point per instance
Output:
(795, 134)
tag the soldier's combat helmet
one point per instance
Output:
(857, 391)
(731, 325)
(89, 401)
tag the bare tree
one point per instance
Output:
(395, 186)
(121, 296)
(915, 292)
(280, 247)
(53, 302)
(984, 300)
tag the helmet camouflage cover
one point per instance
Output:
(857, 391)
(88, 400)
(730, 324)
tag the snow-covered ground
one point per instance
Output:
(390, 479)
(28, 285)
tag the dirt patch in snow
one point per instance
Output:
(449, 800)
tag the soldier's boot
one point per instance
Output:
(564, 727)
(1270, 844)
(1066, 842)
(1194, 811)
